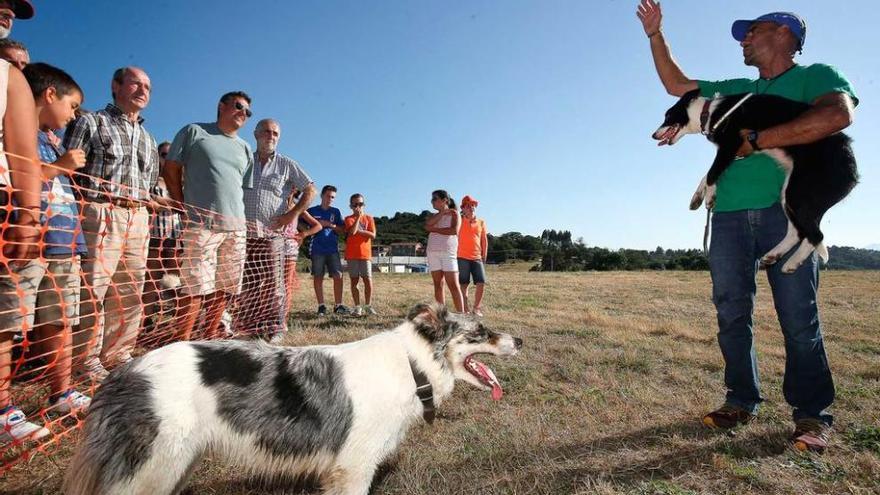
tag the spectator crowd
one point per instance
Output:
(113, 244)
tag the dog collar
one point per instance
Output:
(424, 391)
(704, 115)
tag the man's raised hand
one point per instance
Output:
(650, 14)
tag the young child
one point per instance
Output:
(360, 230)
(324, 250)
(49, 288)
(473, 244)
(442, 249)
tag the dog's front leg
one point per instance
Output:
(699, 194)
(347, 481)
(789, 241)
(804, 251)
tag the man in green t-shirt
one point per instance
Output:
(748, 220)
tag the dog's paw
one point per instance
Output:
(699, 194)
(770, 259)
(790, 266)
(710, 196)
(696, 200)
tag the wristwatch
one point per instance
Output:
(752, 138)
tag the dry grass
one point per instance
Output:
(606, 396)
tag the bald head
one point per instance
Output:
(131, 89)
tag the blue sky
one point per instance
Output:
(541, 110)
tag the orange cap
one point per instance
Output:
(469, 201)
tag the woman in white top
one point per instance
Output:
(442, 250)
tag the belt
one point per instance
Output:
(130, 204)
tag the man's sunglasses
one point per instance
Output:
(239, 107)
(357, 204)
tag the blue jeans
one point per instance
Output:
(739, 239)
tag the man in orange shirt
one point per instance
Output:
(473, 244)
(360, 230)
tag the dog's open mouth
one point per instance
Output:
(485, 375)
(668, 136)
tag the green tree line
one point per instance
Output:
(555, 250)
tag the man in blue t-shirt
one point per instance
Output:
(748, 220)
(324, 250)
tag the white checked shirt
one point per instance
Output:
(267, 199)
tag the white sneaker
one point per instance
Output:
(72, 402)
(370, 311)
(94, 370)
(359, 311)
(278, 338)
(477, 312)
(14, 426)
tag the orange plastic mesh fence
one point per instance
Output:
(147, 275)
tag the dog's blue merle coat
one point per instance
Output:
(290, 398)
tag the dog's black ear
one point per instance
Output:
(429, 320)
(690, 95)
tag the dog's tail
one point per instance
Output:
(822, 251)
(83, 476)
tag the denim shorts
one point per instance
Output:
(326, 263)
(468, 269)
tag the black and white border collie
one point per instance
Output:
(818, 174)
(331, 412)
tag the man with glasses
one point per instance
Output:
(269, 209)
(122, 165)
(206, 168)
(748, 220)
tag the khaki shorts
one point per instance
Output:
(39, 293)
(360, 268)
(212, 261)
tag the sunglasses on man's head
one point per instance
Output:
(247, 111)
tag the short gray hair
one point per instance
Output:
(10, 43)
(262, 123)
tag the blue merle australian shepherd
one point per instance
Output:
(818, 174)
(330, 412)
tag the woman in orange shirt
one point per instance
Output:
(473, 244)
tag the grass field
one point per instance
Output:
(606, 396)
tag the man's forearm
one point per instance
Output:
(830, 116)
(673, 78)
(172, 175)
(304, 201)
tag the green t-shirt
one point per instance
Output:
(214, 168)
(755, 181)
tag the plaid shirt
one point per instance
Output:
(118, 151)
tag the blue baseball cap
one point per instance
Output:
(795, 24)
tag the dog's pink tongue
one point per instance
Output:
(489, 377)
(496, 391)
